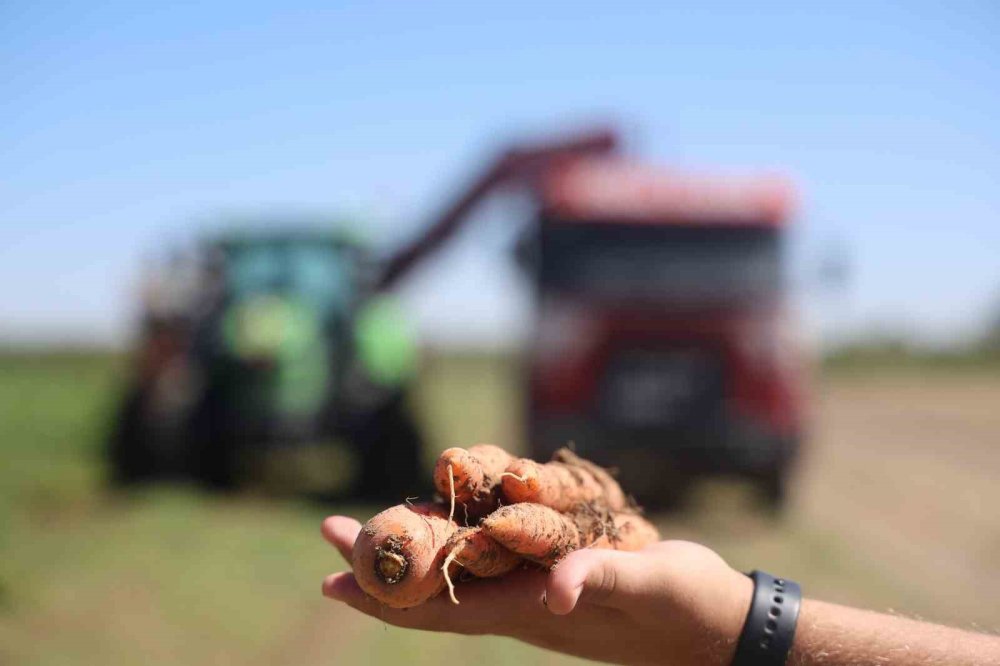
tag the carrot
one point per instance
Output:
(408, 554)
(472, 477)
(535, 532)
(480, 555)
(627, 531)
(543, 535)
(398, 554)
(612, 493)
(562, 484)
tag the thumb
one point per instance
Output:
(596, 576)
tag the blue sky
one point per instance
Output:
(127, 125)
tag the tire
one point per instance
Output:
(130, 457)
(213, 447)
(672, 494)
(773, 490)
(391, 449)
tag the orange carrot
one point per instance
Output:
(562, 484)
(628, 531)
(612, 494)
(480, 555)
(543, 535)
(398, 554)
(409, 553)
(472, 477)
(533, 531)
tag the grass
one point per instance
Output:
(171, 574)
(900, 359)
(174, 575)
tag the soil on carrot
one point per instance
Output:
(391, 563)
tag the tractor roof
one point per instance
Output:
(280, 231)
(618, 191)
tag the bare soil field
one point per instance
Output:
(905, 469)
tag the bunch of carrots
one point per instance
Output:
(514, 512)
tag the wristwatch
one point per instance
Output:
(769, 629)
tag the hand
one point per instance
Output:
(674, 602)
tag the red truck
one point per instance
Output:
(663, 343)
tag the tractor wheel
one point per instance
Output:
(213, 449)
(391, 450)
(131, 460)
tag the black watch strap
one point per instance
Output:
(770, 625)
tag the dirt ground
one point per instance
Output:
(906, 470)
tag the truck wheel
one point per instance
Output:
(774, 491)
(213, 451)
(671, 496)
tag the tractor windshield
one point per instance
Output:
(691, 264)
(317, 273)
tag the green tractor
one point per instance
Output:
(265, 347)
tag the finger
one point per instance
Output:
(341, 531)
(493, 601)
(487, 606)
(339, 586)
(595, 576)
(344, 587)
(431, 616)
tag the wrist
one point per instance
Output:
(730, 617)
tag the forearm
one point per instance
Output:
(832, 635)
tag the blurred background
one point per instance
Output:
(262, 264)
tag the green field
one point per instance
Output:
(895, 508)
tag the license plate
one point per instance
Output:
(656, 389)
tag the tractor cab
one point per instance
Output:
(319, 268)
(279, 331)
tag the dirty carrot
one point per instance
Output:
(398, 554)
(562, 484)
(480, 555)
(627, 531)
(471, 477)
(543, 535)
